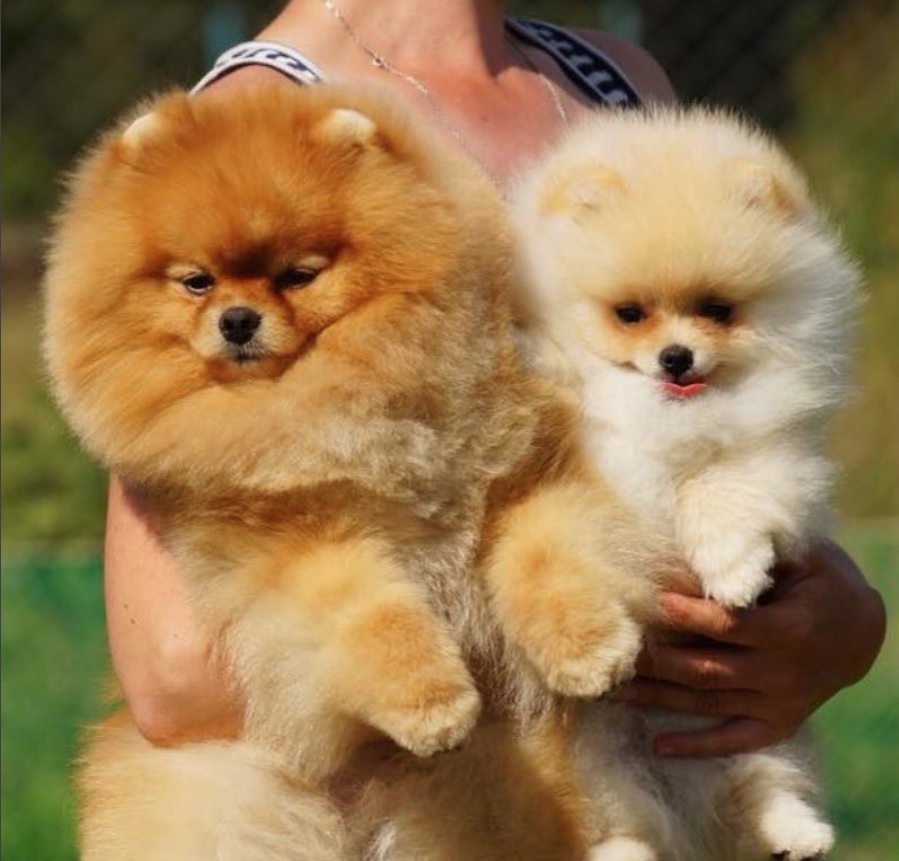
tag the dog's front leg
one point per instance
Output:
(558, 593)
(342, 638)
(737, 518)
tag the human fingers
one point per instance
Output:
(703, 617)
(739, 735)
(737, 684)
(780, 684)
(701, 668)
(709, 702)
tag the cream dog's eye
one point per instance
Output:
(719, 312)
(294, 277)
(630, 313)
(198, 282)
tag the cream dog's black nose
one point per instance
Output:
(676, 359)
(239, 324)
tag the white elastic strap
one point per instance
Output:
(278, 57)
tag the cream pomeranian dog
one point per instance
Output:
(678, 277)
(284, 314)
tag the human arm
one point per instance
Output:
(766, 669)
(165, 663)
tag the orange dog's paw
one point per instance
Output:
(441, 720)
(404, 675)
(587, 652)
(557, 591)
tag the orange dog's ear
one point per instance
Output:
(348, 126)
(159, 121)
(581, 189)
(143, 129)
(760, 185)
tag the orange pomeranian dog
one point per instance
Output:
(283, 314)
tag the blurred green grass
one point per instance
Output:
(54, 656)
(54, 662)
(856, 730)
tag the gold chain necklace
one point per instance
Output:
(553, 91)
(381, 62)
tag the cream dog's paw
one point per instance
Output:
(793, 831)
(734, 571)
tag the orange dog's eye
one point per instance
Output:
(295, 276)
(719, 312)
(630, 313)
(198, 282)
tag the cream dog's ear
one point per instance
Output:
(348, 126)
(580, 189)
(761, 185)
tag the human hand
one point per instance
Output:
(763, 669)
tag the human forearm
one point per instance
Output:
(164, 660)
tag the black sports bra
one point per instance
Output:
(600, 79)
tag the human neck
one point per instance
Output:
(463, 35)
(451, 59)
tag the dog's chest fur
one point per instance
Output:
(646, 450)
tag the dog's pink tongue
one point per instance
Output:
(678, 391)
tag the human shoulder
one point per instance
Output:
(640, 67)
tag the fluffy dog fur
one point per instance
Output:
(679, 279)
(285, 316)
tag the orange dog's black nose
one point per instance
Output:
(676, 359)
(238, 325)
